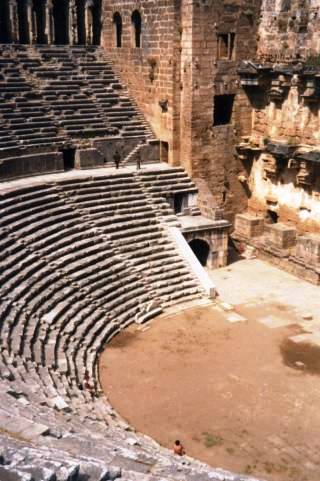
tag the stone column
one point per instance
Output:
(48, 22)
(13, 18)
(29, 19)
(73, 30)
(88, 21)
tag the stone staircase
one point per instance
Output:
(81, 256)
(56, 97)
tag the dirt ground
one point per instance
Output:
(227, 390)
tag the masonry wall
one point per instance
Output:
(212, 154)
(152, 71)
(181, 39)
(289, 28)
(286, 112)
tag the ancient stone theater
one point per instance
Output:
(141, 143)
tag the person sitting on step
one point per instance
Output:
(178, 448)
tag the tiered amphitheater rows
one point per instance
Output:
(81, 258)
(51, 96)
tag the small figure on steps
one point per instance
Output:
(87, 384)
(138, 160)
(178, 448)
(117, 158)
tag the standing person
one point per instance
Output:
(138, 160)
(178, 449)
(87, 384)
(117, 158)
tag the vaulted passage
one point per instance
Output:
(201, 249)
(5, 33)
(60, 22)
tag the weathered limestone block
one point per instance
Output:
(281, 235)
(88, 158)
(248, 225)
(308, 248)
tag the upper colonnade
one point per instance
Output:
(59, 22)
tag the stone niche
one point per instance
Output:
(249, 226)
(308, 249)
(281, 236)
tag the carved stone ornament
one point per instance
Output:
(305, 174)
(279, 88)
(270, 166)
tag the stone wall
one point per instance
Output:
(214, 74)
(281, 156)
(289, 28)
(151, 72)
(189, 52)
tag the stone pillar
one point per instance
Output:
(88, 21)
(13, 19)
(73, 30)
(30, 34)
(48, 22)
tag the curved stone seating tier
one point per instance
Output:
(56, 97)
(86, 81)
(81, 256)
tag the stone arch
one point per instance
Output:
(201, 249)
(5, 27)
(117, 26)
(61, 22)
(24, 20)
(136, 22)
(39, 22)
(81, 23)
(96, 22)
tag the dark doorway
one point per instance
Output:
(222, 110)
(39, 22)
(164, 151)
(23, 23)
(201, 250)
(5, 31)
(271, 217)
(96, 23)
(68, 158)
(81, 22)
(177, 202)
(234, 252)
(61, 22)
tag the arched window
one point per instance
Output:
(117, 25)
(136, 29)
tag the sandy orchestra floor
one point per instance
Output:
(228, 390)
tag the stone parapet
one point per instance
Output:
(281, 236)
(249, 226)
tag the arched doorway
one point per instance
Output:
(201, 249)
(61, 22)
(96, 23)
(5, 31)
(39, 22)
(24, 18)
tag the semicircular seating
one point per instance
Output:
(82, 256)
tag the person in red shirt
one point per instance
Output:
(86, 383)
(178, 448)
